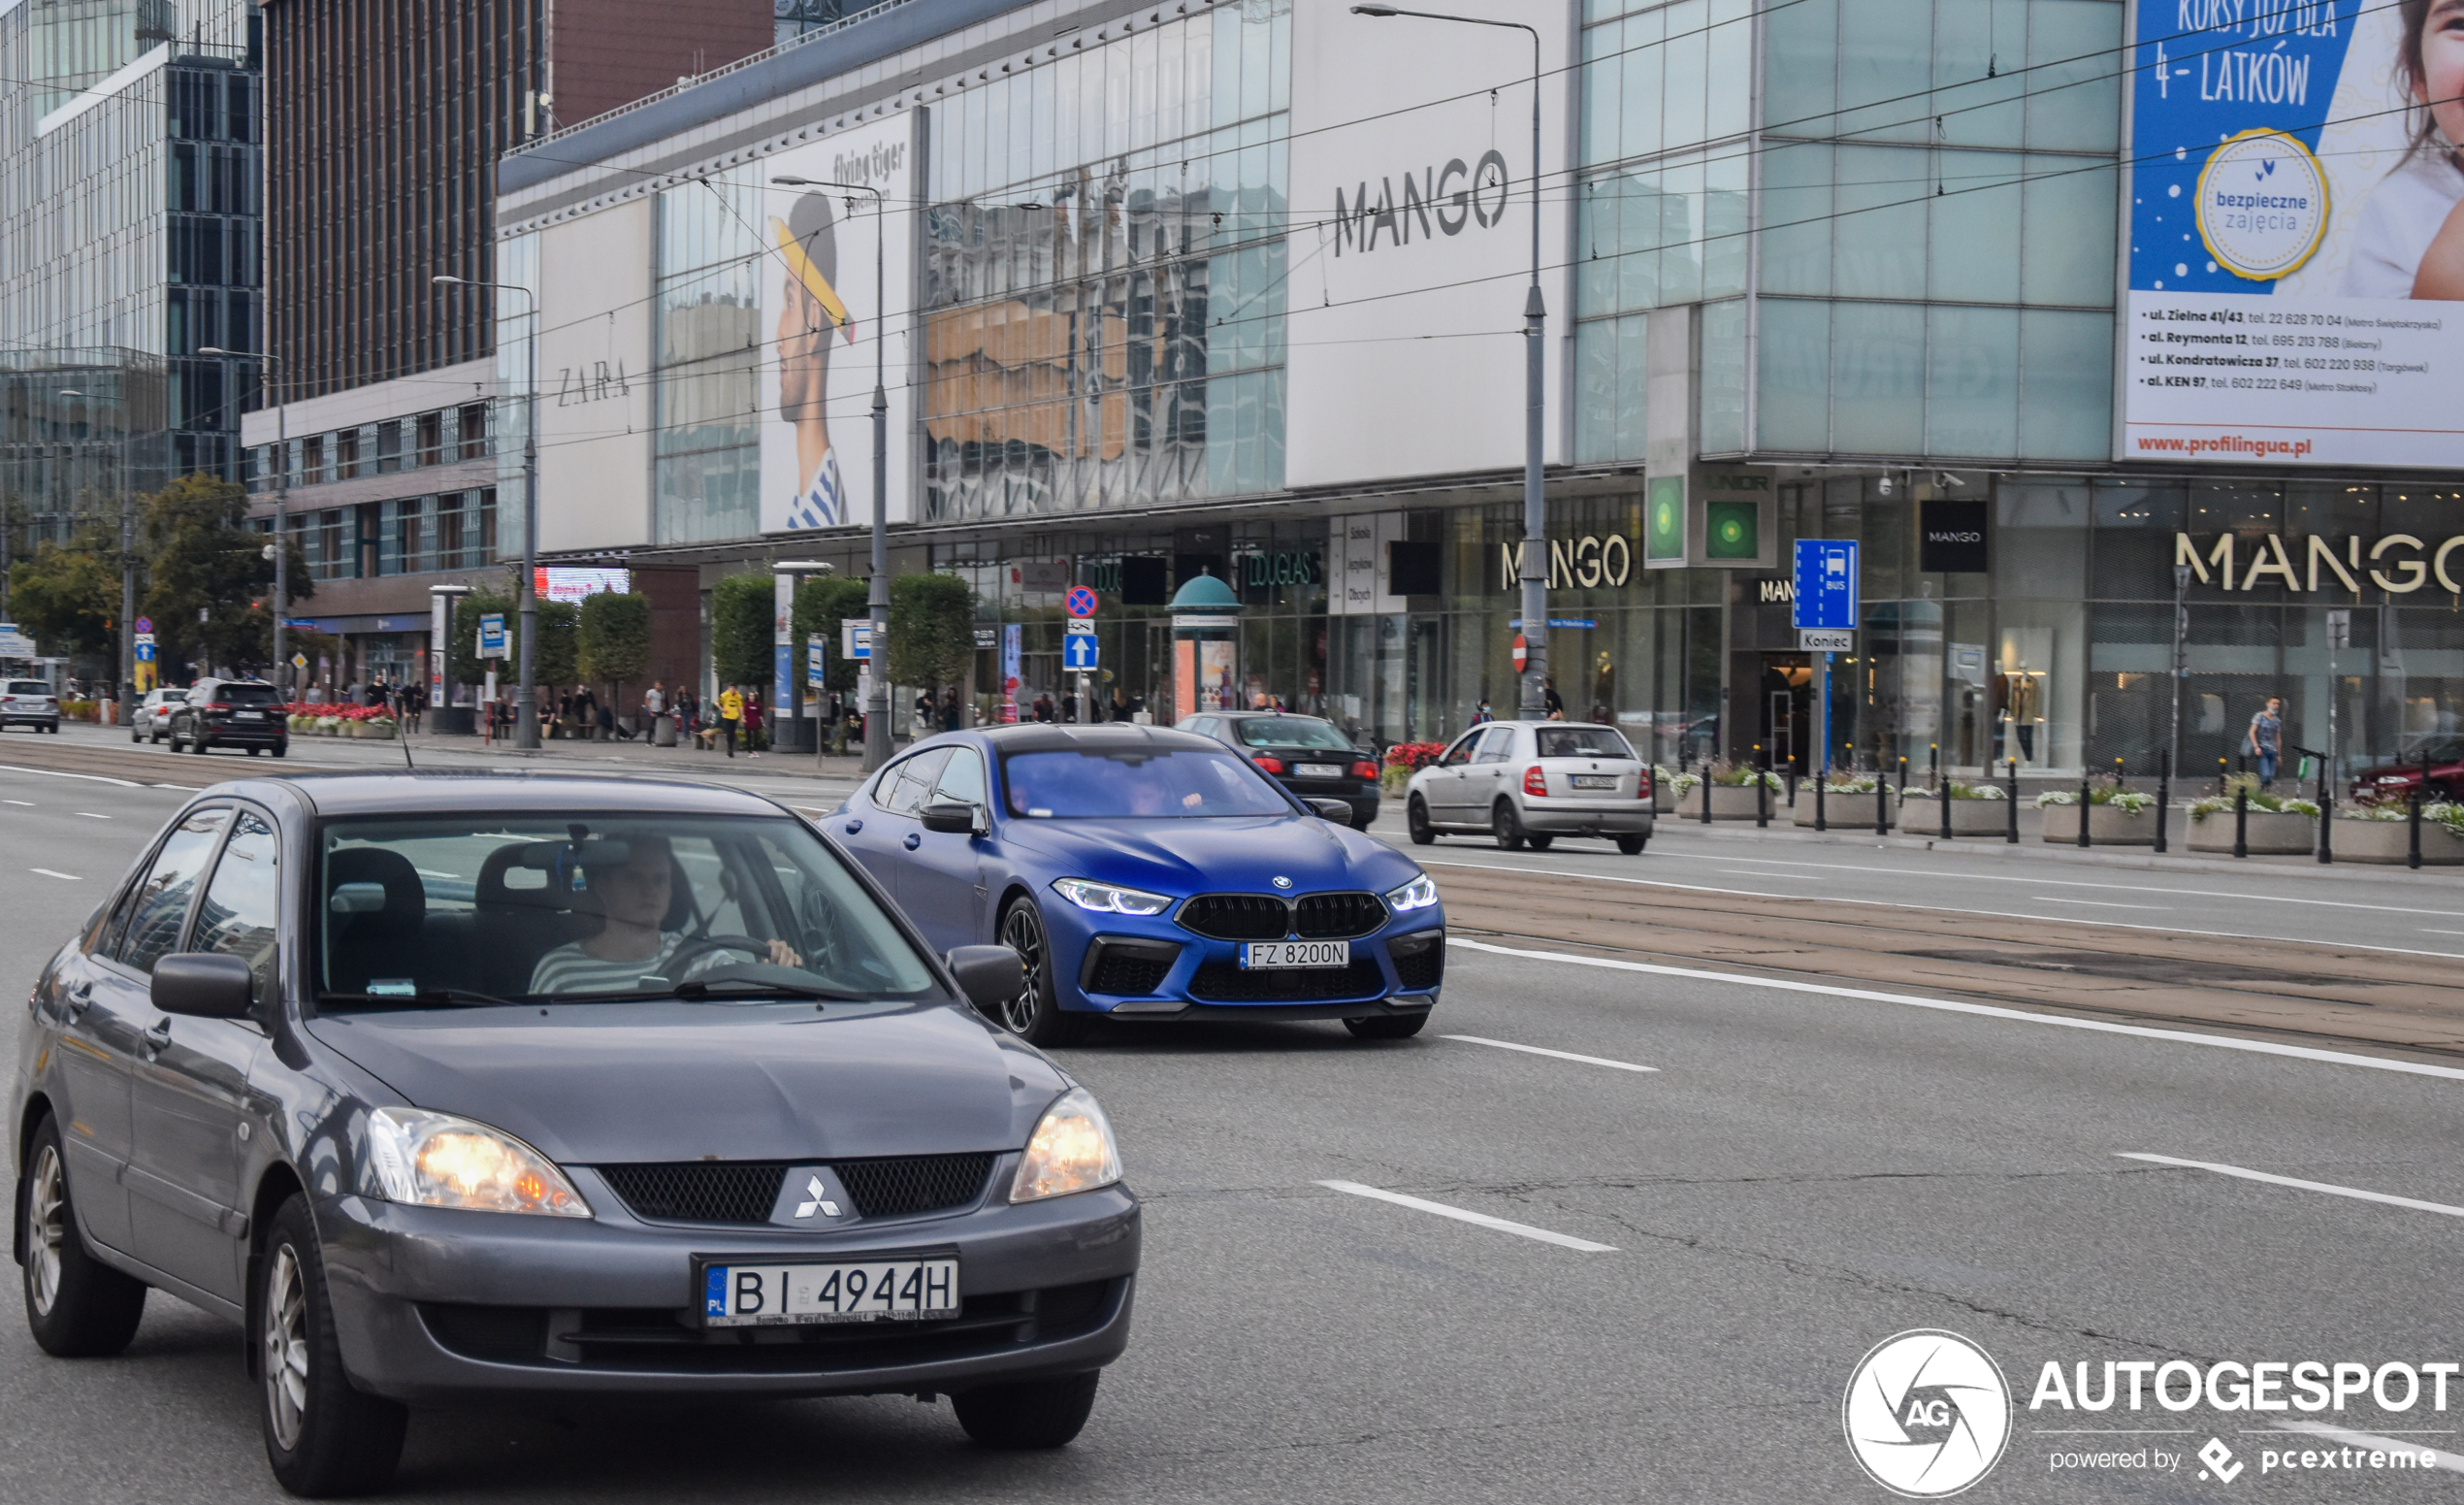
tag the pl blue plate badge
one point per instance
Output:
(2262, 205)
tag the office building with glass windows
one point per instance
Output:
(1237, 288)
(129, 164)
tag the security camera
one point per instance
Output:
(1884, 485)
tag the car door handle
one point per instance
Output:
(915, 839)
(854, 827)
(159, 1037)
(81, 999)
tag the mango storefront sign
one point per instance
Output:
(2397, 562)
(1589, 562)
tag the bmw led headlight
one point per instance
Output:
(1109, 897)
(1421, 892)
(1071, 1150)
(436, 1159)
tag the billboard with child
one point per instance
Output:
(2296, 255)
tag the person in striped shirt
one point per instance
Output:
(633, 896)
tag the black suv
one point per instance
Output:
(1306, 754)
(231, 714)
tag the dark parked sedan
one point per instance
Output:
(452, 1088)
(1307, 755)
(2433, 764)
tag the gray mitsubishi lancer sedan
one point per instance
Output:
(452, 1087)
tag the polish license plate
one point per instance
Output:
(1320, 770)
(777, 1296)
(1595, 781)
(1271, 955)
(251, 715)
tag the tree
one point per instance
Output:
(68, 595)
(613, 640)
(210, 586)
(556, 659)
(822, 602)
(467, 666)
(932, 630)
(743, 642)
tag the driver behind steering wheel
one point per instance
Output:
(632, 895)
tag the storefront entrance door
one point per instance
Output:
(1788, 707)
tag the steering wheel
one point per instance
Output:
(678, 961)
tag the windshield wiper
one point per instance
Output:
(461, 997)
(695, 987)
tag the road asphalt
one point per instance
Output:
(1800, 1175)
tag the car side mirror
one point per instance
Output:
(988, 975)
(1335, 810)
(204, 985)
(953, 816)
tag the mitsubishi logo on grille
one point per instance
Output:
(820, 1200)
(1282, 882)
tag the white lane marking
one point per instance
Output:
(1982, 1010)
(51, 873)
(1885, 903)
(2071, 883)
(183, 787)
(2048, 899)
(2453, 1462)
(90, 815)
(28, 804)
(1465, 1214)
(1539, 1050)
(2293, 1181)
(97, 778)
(1801, 878)
(2425, 930)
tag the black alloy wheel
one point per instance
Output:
(1415, 816)
(76, 1306)
(1387, 1026)
(1035, 1014)
(174, 737)
(1507, 826)
(323, 1435)
(1028, 1414)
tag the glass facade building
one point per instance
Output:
(1862, 255)
(129, 177)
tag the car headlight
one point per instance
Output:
(1109, 897)
(436, 1159)
(1071, 1150)
(1421, 892)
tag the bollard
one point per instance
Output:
(1762, 788)
(1707, 793)
(2326, 815)
(1882, 800)
(2012, 837)
(2241, 821)
(2413, 817)
(2223, 767)
(2083, 810)
(2165, 791)
(1942, 791)
(1822, 776)
(1792, 788)
(1934, 764)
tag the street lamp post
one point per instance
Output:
(1533, 568)
(282, 519)
(526, 710)
(877, 698)
(127, 569)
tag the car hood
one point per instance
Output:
(1236, 854)
(592, 1083)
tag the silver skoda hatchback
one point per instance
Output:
(1526, 783)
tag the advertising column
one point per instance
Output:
(2295, 254)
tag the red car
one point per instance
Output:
(2435, 764)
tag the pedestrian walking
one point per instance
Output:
(753, 742)
(654, 704)
(2265, 738)
(951, 716)
(731, 716)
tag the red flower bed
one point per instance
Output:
(338, 710)
(1414, 755)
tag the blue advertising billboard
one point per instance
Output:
(2293, 234)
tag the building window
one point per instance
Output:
(474, 432)
(431, 438)
(312, 460)
(346, 453)
(389, 446)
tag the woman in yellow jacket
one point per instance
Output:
(730, 715)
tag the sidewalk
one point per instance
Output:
(431, 749)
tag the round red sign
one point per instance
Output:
(1522, 653)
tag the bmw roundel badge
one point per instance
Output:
(1282, 882)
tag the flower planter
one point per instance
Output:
(2107, 825)
(2271, 834)
(2390, 842)
(1840, 812)
(1730, 803)
(1969, 818)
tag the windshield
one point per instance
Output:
(1290, 732)
(1582, 742)
(2434, 750)
(459, 909)
(1134, 783)
(28, 687)
(245, 695)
